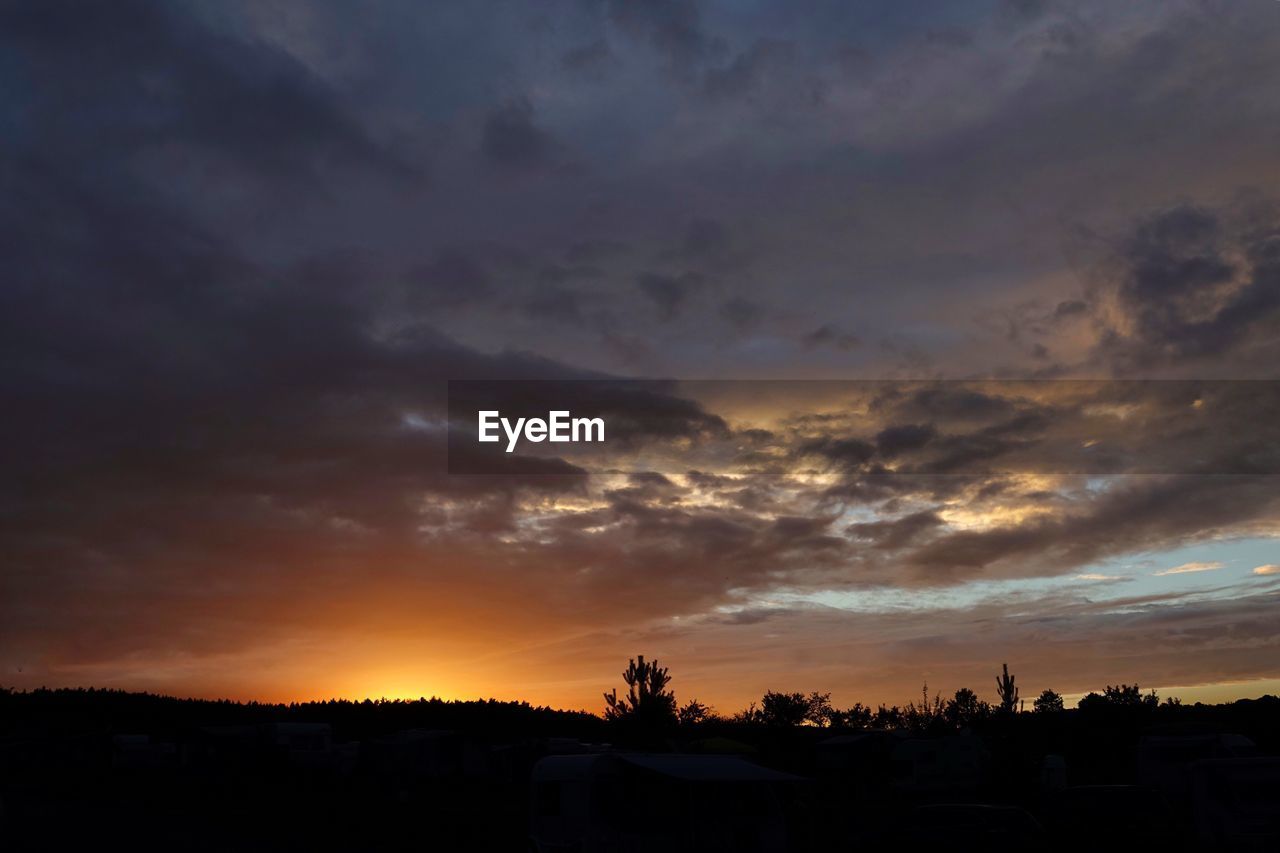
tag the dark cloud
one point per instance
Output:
(745, 72)
(554, 274)
(511, 139)
(1070, 308)
(741, 312)
(1131, 517)
(949, 37)
(668, 292)
(588, 58)
(452, 279)
(1097, 427)
(557, 304)
(1186, 287)
(705, 238)
(159, 78)
(674, 28)
(595, 251)
(851, 452)
(828, 335)
(953, 401)
(895, 440)
(652, 478)
(706, 480)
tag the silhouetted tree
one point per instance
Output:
(692, 712)
(929, 714)
(1048, 701)
(857, 716)
(795, 709)
(1120, 696)
(821, 712)
(783, 709)
(965, 708)
(1007, 690)
(889, 718)
(648, 702)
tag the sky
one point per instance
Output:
(963, 319)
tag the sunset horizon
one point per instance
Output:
(722, 369)
(1209, 694)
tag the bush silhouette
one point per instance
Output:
(693, 712)
(857, 716)
(1048, 701)
(1120, 696)
(648, 703)
(965, 708)
(784, 710)
(929, 714)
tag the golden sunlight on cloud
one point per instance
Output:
(1269, 569)
(1188, 568)
(962, 518)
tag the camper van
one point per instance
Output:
(631, 803)
(1236, 802)
(1164, 761)
(957, 763)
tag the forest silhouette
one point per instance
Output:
(1123, 768)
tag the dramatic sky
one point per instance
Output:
(907, 267)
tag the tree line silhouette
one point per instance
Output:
(650, 705)
(465, 768)
(63, 711)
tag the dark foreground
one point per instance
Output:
(100, 770)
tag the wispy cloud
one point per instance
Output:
(1188, 568)
(1269, 569)
(1096, 576)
